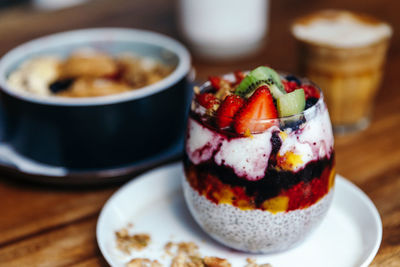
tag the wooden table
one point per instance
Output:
(55, 226)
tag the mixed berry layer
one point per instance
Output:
(277, 191)
(260, 141)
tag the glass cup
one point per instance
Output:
(344, 53)
(223, 29)
(264, 191)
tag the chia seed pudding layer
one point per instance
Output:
(256, 231)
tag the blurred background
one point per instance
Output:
(64, 234)
(22, 20)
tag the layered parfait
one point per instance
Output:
(259, 159)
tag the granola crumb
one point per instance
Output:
(196, 90)
(225, 90)
(252, 263)
(189, 248)
(168, 247)
(179, 261)
(126, 243)
(143, 262)
(183, 254)
(216, 262)
(187, 255)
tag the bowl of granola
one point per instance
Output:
(94, 98)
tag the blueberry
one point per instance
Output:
(292, 78)
(293, 124)
(60, 85)
(311, 102)
(276, 142)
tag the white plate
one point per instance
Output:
(350, 235)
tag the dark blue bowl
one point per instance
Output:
(97, 132)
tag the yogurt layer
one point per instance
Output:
(249, 156)
(313, 141)
(201, 142)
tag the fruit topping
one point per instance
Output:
(207, 100)
(227, 110)
(310, 91)
(215, 82)
(291, 103)
(260, 106)
(292, 83)
(291, 78)
(293, 123)
(241, 104)
(224, 90)
(290, 86)
(239, 75)
(275, 91)
(259, 76)
(311, 101)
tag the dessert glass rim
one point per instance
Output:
(365, 18)
(309, 112)
(85, 37)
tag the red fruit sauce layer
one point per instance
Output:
(279, 190)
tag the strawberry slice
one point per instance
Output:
(207, 100)
(290, 86)
(227, 110)
(310, 91)
(260, 106)
(215, 81)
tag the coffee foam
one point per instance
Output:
(341, 29)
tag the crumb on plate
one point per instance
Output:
(126, 242)
(143, 262)
(253, 263)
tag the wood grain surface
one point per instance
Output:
(54, 226)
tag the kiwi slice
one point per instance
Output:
(275, 91)
(257, 77)
(291, 103)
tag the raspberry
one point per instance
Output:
(290, 86)
(310, 91)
